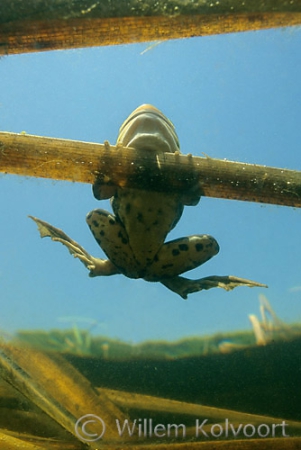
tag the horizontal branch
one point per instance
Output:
(76, 161)
(38, 25)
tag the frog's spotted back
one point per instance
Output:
(148, 129)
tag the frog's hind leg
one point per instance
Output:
(183, 286)
(181, 255)
(96, 266)
(112, 238)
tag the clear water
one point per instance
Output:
(231, 96)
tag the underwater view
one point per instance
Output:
(152, 317)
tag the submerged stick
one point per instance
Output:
(152, 404)
(58, 389)
(40, 25)
(15, 375)
(76, 161)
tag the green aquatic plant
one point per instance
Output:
(82, 342)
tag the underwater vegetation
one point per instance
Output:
(44, 394)
(270, 327)
(82, 342)
(50, 379)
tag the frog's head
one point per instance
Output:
(148, 129)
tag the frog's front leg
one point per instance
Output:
(180, 255)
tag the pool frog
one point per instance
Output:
(133, 238)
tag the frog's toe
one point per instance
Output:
(181, 255)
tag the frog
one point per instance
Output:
(133, 237)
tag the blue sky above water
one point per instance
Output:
(233, 96)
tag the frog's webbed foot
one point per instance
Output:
(184, 286)
(96, 266)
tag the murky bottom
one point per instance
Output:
(246, 398)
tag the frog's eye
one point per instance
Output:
(148, 129)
